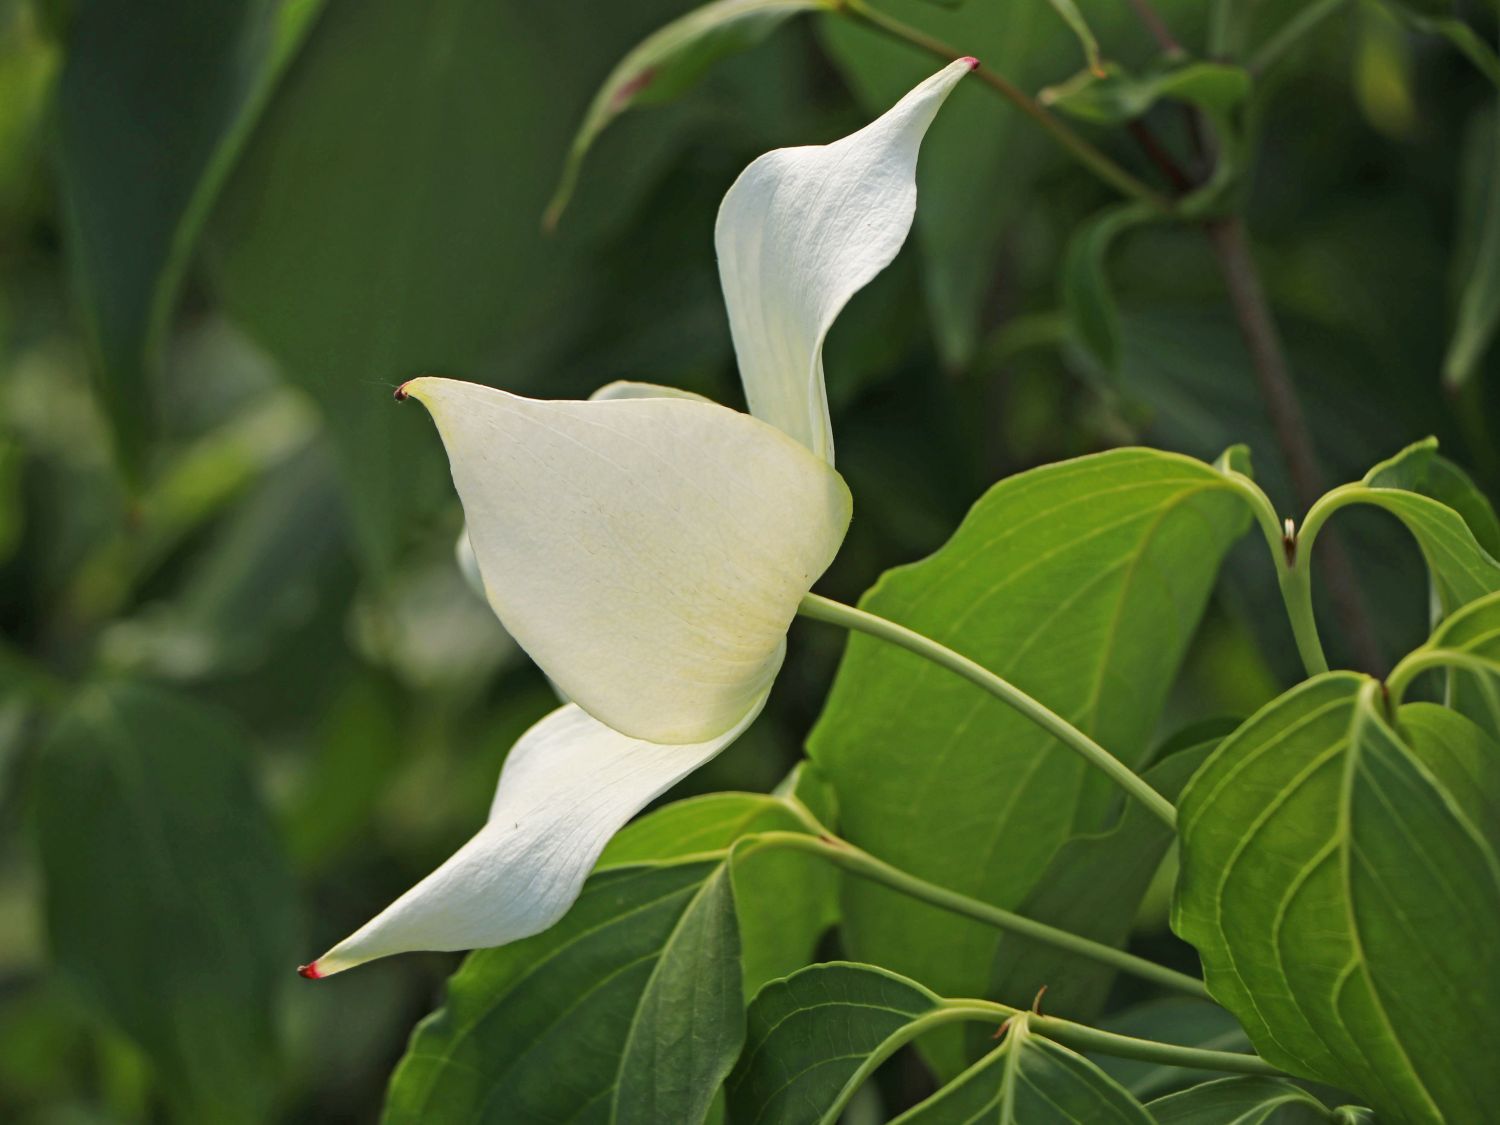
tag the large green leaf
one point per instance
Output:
(814, 1037)
(385, 221)
(1093, 887)
(1082, 583)
(153, 106)
(1030, 1079)
(1244, 1100)
(629, 1009)
(1418, 489)
(669, 61)
(1340, 884)
(167, 899)
(785, 899)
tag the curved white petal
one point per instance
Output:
(649, 553)
(567, 786)
(800, 232)
(626, 388)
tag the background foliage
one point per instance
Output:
(245, 698)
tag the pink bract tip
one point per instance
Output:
(309, 971)
(971, 60)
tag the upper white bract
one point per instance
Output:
(648, 548)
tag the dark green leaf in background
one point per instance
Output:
(668, 62)
(167, 897)
(1093, 317)
(1093, 887)
(629, 1009)
(1340, 884)
(1479, 304)
(1117, 97)
(153, 106)
(1082, 583)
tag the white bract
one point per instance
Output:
(648, 548)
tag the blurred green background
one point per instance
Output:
(245, 696)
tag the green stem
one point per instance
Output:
(1293, 32)
(1086, 154)
(860, 862)
(1426, 659)
(836, 613)
(1293, 571)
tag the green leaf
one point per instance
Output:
(1093, 887)
(785, 899)
(154, 104)
(1081, 583)
(1461, 569)
(629, 1009)
(1117, 97)
(1469, 642)
(814, 1037)
(1245, 1100)
(1421, 468)
(667, 63)
(1479, 306)
(167, 900)
(1029, 1079)
(1093, 317)
(1070, 15)
(1341, 890)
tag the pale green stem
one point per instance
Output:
(1084, 1038)
(859, 862)
(1293, 32)
(1293, 571)
(1426, 659)
(1296, 576)
(1086, 154)
(836, 613)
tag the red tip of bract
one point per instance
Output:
(971, 60)
(400, 397)
(310, 970)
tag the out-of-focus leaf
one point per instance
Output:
(1082, 583)
(1479, 305)
(384, 222)
(1079, 26)
(1116, 96)
(1174, 1019)
(167, 898)
(1093, 317)
(1242, 1100)
(627, 1010)
(1340, 878)
(668, 62)
(154, 104)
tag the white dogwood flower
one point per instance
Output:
(648, 548)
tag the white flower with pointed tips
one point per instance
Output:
(648, 548)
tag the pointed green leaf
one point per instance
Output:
(814, 1037)
(167, 899)
(1117, 97)
(1341, 888)
(628, 1010)
(154, 104)
(1080, 582)
(1030, 1079)
(668, 62)
(1246, 1100)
